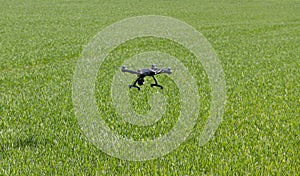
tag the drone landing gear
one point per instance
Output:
(140, 81)
(157, 85)
(134, 86)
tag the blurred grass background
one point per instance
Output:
(257, 43)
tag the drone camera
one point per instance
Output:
(141, 82)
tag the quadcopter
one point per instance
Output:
(142, 73)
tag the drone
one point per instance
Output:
(142, 73)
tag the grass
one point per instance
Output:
(257, 43)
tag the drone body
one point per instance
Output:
(142, 73)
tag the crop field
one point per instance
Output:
(257, 45)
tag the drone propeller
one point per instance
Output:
(169, 70)
(154, 66)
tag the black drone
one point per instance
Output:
(142, 73)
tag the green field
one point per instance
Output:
(257, 44)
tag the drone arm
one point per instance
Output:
(168, 71)
(130, 71)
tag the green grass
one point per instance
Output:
(256, 42)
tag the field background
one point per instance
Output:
(257, 43)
